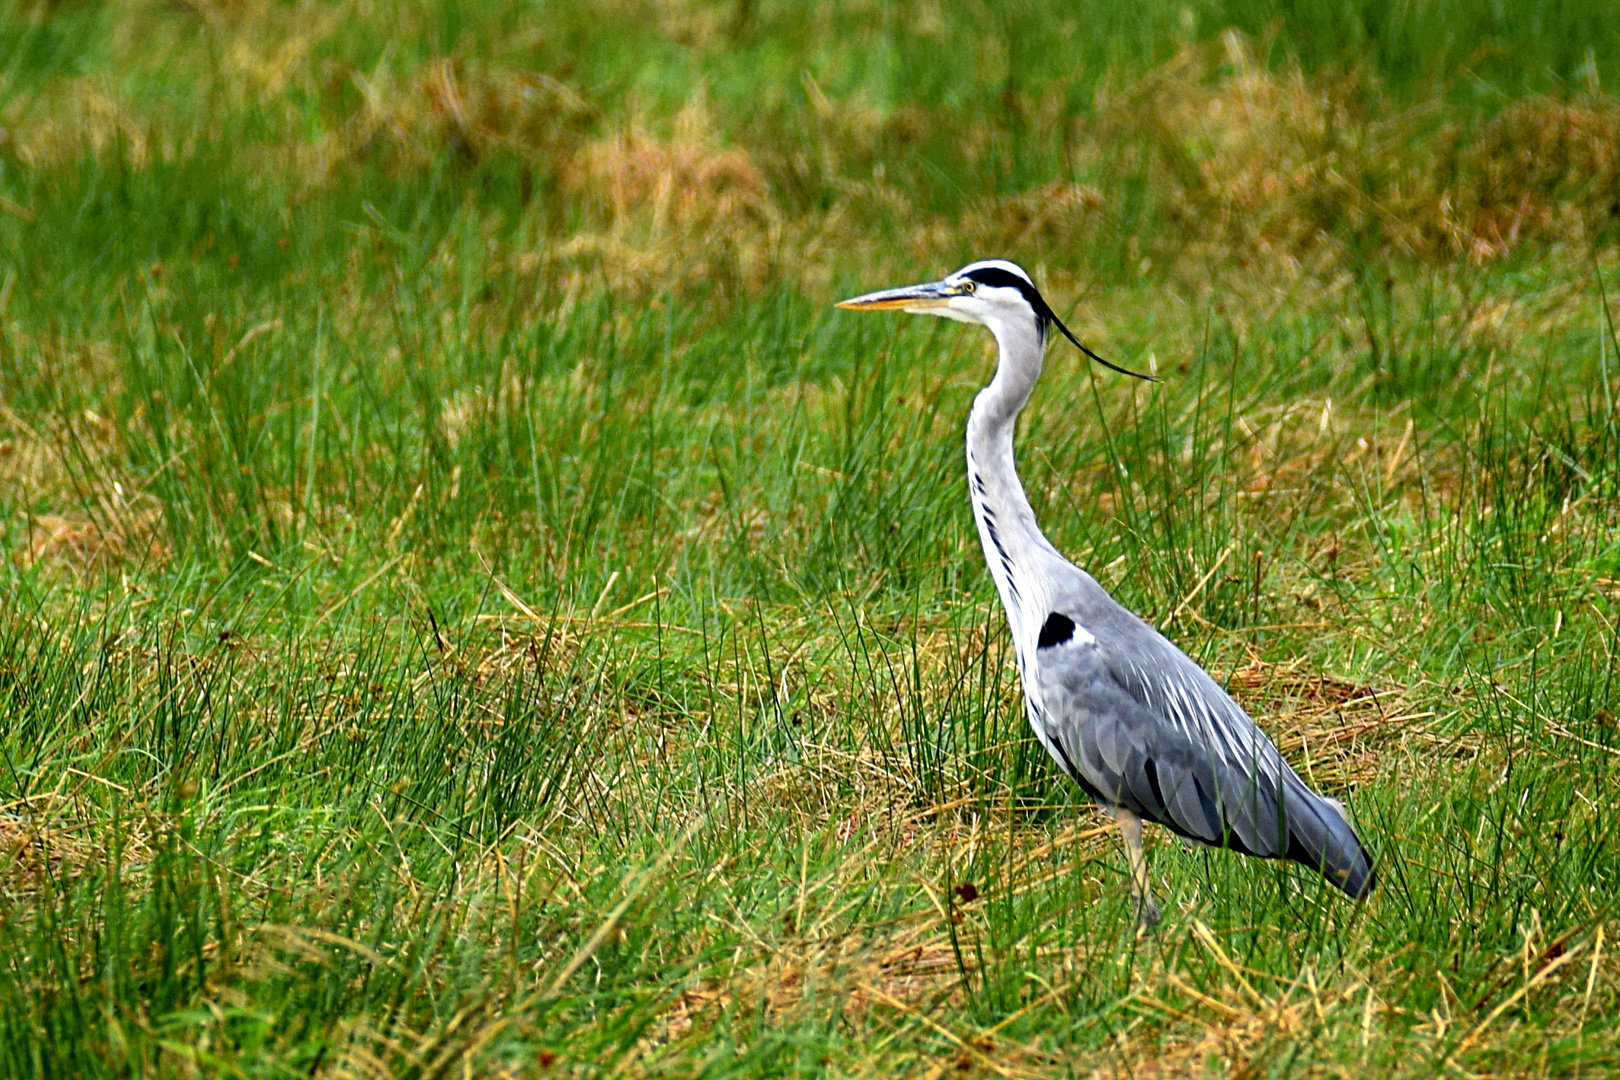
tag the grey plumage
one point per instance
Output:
(1139, 726)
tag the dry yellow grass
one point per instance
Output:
(1243, 160)
(513, 590)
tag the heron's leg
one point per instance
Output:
(1130, 829)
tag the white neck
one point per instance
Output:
(1006, 523)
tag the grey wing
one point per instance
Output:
(1139, 725)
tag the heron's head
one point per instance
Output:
(983, 292)
(994, 293)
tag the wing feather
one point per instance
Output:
(1147, 729)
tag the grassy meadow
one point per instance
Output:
(469, 605)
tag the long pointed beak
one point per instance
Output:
(916, 298)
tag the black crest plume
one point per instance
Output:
(996, 277)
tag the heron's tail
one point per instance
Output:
(1320, 837)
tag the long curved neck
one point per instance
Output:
(1006, 522)
(992, 476)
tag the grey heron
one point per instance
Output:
(1126, 714)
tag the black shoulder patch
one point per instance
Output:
(1057, 629)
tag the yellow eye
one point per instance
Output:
(968, 286)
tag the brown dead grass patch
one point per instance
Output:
(689, 207)
(450, 107)
(50, 839)
(1243, 162)
(1336, 731)
(79, 506)
(78, 117)
(1255, 161)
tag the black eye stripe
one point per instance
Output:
(1045, 317)
(997, 278)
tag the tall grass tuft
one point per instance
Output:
(469, 606)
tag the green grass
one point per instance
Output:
(470, 606)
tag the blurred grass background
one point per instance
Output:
(471, 608)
